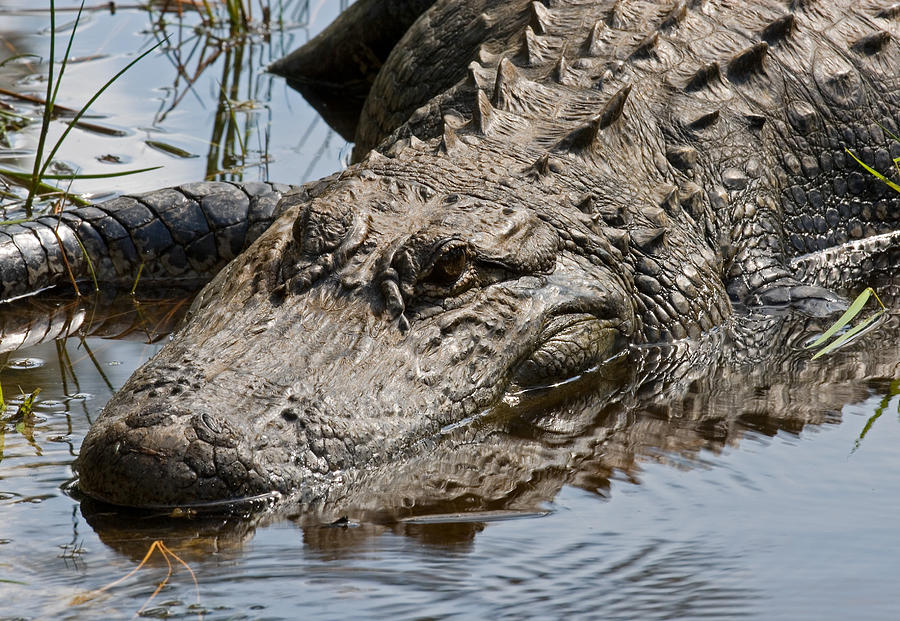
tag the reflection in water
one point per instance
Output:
(666, 403)
(755, 532)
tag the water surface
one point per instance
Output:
(733, 491)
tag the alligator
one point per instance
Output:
(539, 189)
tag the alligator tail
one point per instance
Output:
(183, 234)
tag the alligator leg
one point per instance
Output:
(335, 70)
(176, 235)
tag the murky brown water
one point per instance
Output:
(717, 487)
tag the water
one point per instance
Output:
(740, 491)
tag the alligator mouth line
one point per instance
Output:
(243, 505)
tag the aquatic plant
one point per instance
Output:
(842, 321)
(36, 181)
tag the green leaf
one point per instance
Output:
(848, 334)
(874, 172)
(844, 319)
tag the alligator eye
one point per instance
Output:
(448, 267)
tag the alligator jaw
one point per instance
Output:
(330, 382)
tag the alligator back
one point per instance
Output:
(740, 114)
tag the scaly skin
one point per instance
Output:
(611, 174)
(176, 235)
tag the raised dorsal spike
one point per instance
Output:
(595, 41)
(754, 120)
(542, 165)
(779, 29)
(682, 157)
(450, 142)
(562, 73)
(747, 61)
(619, 238)
(704, 120)
(674, 16)
(483, 114)
(872, 43)
(581, 138)
(703, 77)
(485, 22)
(505, 84)
(889, 12)
(802, 116)
(533, 47)
(645, 48)
(478, 77)
(614, 107)
(486, 57)
(668, 195)
(586, 204)
(539, 18)
(614, 16)
(649, 240)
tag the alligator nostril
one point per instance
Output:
(289, 415)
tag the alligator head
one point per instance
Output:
(362, 324)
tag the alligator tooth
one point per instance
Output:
(703, 77)
(674, 17)
(540, 18)
(505, 85)
(614, 107)
(483, 114)
(682, 157)
(872, 43)
(748, 61)
(533, 47)
(645, 48)
(779, 29)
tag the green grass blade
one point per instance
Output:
(844, 319)
(873, 171)
(96, 96)
(888, 132)
(848, 334)
(122, 173)
(45, 121)
(42, 188)
(65, 60)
